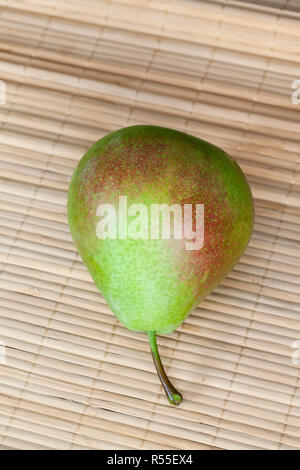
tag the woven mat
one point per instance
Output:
(74, 70)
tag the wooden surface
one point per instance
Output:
(74, 378)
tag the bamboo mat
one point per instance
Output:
(75, 70)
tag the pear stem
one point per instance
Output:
(173, 396)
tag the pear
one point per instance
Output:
(159, 217)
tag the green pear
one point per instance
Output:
(159, 217)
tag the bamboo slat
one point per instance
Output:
(75, 378)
